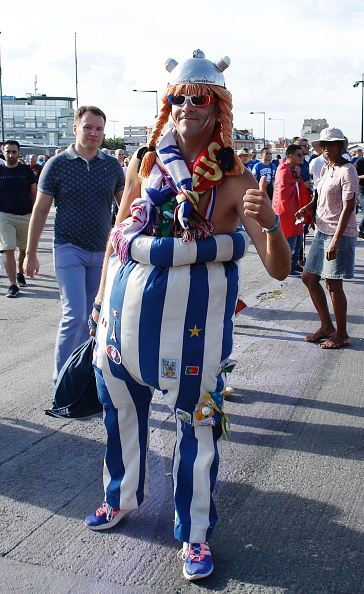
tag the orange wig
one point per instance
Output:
(224, 105)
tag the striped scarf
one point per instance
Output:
(169, 205)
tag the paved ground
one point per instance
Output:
(289, 494)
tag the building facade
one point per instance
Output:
(135, 137)
(243, 139)
(311, 128)
(39, 123)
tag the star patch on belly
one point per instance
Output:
(195, 331)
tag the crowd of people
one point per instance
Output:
(137, 259)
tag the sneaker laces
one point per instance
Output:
(106, 509)
(196, 551)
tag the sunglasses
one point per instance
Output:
(196, 100)
(323, 143)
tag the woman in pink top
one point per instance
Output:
(332, 253)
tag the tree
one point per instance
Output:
(112, 144)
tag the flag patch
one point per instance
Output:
(192, 370)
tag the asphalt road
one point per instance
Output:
(290, 491)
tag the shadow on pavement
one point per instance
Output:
(280, 540)
(272, 539)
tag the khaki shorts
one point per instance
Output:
(13, 231)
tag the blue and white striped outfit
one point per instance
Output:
(167, 323)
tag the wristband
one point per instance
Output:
(275, 226)
(91, 323)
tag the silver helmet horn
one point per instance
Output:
(197, 70)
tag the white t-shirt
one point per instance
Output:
(315, 168)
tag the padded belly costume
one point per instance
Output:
(166, 323)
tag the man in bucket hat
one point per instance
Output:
(167, 306)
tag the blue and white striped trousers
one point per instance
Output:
(167, 323)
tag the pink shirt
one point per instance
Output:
(336, 184)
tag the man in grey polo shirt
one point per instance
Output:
(82, 181)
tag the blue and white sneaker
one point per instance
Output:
(105, 517)
(197, 560)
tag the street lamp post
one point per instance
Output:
(262, 112)
(76, 72)
(356, 84)
(1, 104)
(156, 98)
(114, 122)
(279, 120)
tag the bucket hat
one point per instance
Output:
(244, 151)
(331, 135)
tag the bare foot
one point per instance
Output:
(335, 342)
(319, 335)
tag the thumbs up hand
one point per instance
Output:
(257, 205)
(263, 183)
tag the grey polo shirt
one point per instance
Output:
(83, 192)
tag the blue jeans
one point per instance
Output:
(78, 275)
(295, 243)
(361, 198)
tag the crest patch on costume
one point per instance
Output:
(184, 416)
(113, 354)
(169, 368)
(226, 366)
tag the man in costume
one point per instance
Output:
(167, 301)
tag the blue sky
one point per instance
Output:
(293, 60)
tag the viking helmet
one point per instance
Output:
(197, 70)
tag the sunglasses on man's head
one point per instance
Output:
(196, 100)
